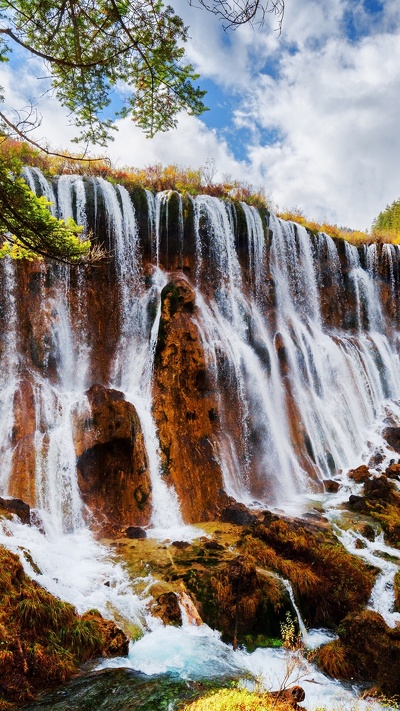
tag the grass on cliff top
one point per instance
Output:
(155, 178)
(184, 180)
(356, 237)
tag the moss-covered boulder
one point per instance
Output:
(367, 649)
(381, 501)
(42, 639)
(328, 582)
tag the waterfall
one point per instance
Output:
(377, 554)
(9, 370)
(302, 627)
(296, 392)
(134, 358)
(295, 389)
(38, 184)
(256, 246)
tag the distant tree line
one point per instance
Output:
(389, 218)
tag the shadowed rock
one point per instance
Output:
(111, 459)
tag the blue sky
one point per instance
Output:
(311, 116)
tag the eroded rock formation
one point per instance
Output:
(112, 463)
(186, 405)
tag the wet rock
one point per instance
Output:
(376, 459)
(359, 544)
(368, 650)
(22, 484)
(213, 546)
(17, 507)
(167, 608)
(331, 486)
(112, 462)
(119, 690)
(392, 437)
(240, 595)
(368, 531)
(186, 406)
(135, 532)
(328, 582)
(43, 640)
(115, 643)
(358, 503)
(280, 349)
(393, 471)
(383, 504)
(397, 592)
(237, 514)
(181, 545)
(378, 488)
(360, 475)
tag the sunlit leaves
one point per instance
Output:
(89, 45)
(28, 228)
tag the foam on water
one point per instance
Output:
(196, 652)
(75, 568)
(343, 385)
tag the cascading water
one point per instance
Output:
(69, 562)
(135, 351)
(9, 371)
(300, 390)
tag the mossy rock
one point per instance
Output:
(367, 650)
(42, 639)
(121, 690)
(328, 582)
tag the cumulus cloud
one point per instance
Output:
(337, 115)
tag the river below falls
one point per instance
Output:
(78, 569)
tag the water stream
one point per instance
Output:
(310, 399)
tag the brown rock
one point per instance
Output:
(186, 406)
(18, 507)
(374, 650)
(368, 531)
(360, 475)
(112, 463)
(238, 514)
(392, 437)
(358, 503)
(379, 488)
(22, 478)
(135, 532)
(376, 459)
(393, 471)
(115, 643)
(331, 486)
(167, 608)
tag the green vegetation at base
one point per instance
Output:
(236, 700)
(124, 690)
(42, 639)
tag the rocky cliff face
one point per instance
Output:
(218, 351)
(112, 465)
(186, 405)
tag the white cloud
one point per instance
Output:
(190, 144)
(337, 112)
